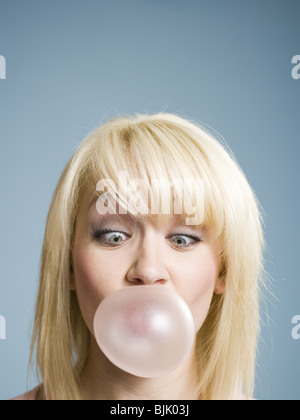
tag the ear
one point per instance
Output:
(221, 282)
(220, 287)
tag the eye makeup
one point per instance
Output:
(111, 237)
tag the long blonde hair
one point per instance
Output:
(155, 146)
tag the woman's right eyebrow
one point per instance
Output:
(92, 202)
(113, 218)
(111, 200)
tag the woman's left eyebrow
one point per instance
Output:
(181, 225)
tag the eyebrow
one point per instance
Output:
(179, 224)
(92, 202)
(107, 216)
(95, 199)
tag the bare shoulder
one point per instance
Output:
(28, 396)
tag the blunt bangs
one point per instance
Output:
(155, 170)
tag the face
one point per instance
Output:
(114, 251)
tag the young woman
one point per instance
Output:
(209, 253)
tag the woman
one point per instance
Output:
(214, 262)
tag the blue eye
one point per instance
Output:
(114, 238)
(109, 237)
(185, 240)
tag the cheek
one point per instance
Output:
(91, 274)
(200, 280)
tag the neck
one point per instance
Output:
(101, 380)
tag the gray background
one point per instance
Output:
(74, 63)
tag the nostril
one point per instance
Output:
(139, 282)
(161, 281)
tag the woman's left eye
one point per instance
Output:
(185, 240)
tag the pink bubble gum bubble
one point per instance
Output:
(144, 330)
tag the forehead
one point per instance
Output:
(88, 215)
(151, 198)
(91, 207)
(97, 206)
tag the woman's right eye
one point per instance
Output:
(110, 237)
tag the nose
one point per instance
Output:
(148, 266)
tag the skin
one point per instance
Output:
(140, 253)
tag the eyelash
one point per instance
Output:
(97, 235)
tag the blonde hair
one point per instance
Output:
(156, 146)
